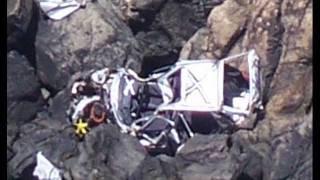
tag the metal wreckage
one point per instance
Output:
(59, 9)
(158, 110)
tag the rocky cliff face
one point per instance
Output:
(144, 34)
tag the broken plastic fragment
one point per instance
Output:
(59, 9)
(45, 169)
(81, 127)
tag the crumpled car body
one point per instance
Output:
(157, 109)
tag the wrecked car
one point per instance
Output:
(158, 109)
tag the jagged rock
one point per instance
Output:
(117, 6)
(154, 43)
(23, 90)
(287, 150)
(139, 10)
(91, 38)
(108, 154)
(12, 133)
(178, 21)
(253, 160)
(203, 8)
(292, 83)
(291, 89)
(23, 97)
(56, 145)
(282, 144)
(257, 25)
(208, 157)
(298, 24)
(59, 105)
(225, 24)
(160, 167)
(158, 50)
(19, 15)
(175, 23)
(289, 110)
(146, 5)
(225, 29)
(195, 47)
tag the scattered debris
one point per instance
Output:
(45, 93)
(45, 169)
(157, 109)
(59, 9)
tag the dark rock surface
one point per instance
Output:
(54, 141)
(178, 21)
(209, 157)
(143, 35)
(93, 37)
(19, 15)
(161, 167)
(107, 153)
(155, 43)
(24, 99)
(163, 34)
(58, 105)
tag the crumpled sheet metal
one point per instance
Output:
(59, 9)
(45, 169)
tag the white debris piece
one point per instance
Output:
(45, 169)
(59, 9)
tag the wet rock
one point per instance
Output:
(107, 153)
(93, 37)
(23, 90)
